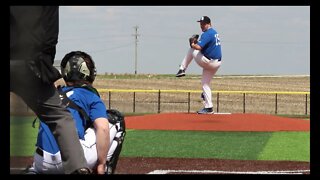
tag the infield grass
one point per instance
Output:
(288, 146)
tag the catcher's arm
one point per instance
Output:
(103, 142)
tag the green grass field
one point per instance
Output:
(289, 146)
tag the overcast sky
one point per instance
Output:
(260, 40)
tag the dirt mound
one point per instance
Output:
(216, 122)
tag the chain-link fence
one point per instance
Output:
(157, 101)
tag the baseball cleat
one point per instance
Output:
(180, 73)
(30, 170)
(83, 170)
(206, 111)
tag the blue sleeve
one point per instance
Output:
(203, 40)
(97, 109)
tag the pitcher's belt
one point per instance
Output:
(211, 59)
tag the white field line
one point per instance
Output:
(212, 171)
(18, 168)
(221, 113)
(228, 172)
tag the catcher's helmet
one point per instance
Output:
(78, 65)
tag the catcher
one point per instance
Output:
(101, 132)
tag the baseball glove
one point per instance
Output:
(115, 116)
(193, 39)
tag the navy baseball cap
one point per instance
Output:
(205, 19)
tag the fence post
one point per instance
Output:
(306, 104)
(159, 101)
(134, 101)
(217, 102)
(109, 99)
(188, 102)
(244, 102)
(276, 111)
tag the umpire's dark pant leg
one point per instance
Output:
(44, 100)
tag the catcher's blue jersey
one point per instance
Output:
(88, 101)
(210, 44)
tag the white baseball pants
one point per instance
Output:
(209, 69)
(51, 163)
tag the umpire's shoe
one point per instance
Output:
(82, 171)
(180, 73)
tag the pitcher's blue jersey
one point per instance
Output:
(88, 101)
(210, 44)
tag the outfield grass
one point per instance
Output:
(292, 146)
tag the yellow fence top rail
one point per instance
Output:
(198, 91)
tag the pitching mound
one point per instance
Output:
(216, 122)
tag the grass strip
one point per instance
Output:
(293, 146)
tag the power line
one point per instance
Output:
(106, 37)
(117, 47)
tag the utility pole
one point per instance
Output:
(136, 48)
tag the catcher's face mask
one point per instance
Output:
(74, 67)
